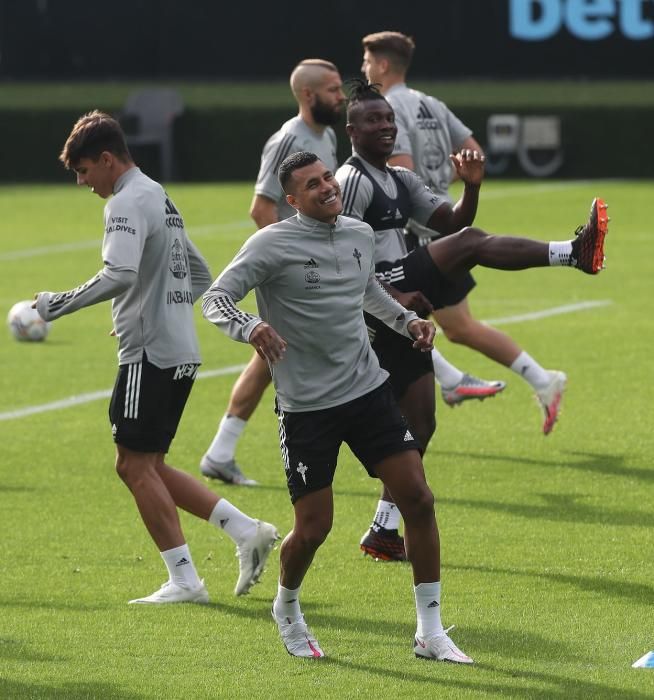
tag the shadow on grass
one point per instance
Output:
(16, 650)
(560, 508)
(600, 463)
(54, 605)
(259, 610)
(613, 465)
(616, 588)
(597, 463)
(65, 691)
(500, 642)
(532, 684)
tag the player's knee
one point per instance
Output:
(457, 333)
(472, 236)
(460, 328)
(313, 534)
(420, 504)
(131, 472)
(469, 239)
(425, 502)
(122, 468)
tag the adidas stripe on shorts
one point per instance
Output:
(147, 404)
(372, 426)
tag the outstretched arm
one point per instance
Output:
(107, 284)
(248, 269)
(219, 307)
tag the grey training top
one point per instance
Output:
(152, 272)
(357, 191)
(313, 281)
(295, 135)
(427, 131)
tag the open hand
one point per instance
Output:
(469, 165)
(423, 333)
(268, 343)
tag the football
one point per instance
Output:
(25, 323)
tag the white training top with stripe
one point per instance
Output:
(295, 135)
(313, 281)
(428, 132)
(152, 272)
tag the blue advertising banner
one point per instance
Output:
(67, 39)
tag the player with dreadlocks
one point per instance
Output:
(434, 276)
(427, 131)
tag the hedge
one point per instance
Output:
(224, 143)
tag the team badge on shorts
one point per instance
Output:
(302, 469)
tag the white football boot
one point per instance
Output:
(440, 648)
(229, 472)
(172, 593)
(252, 556)
(298, 638)
(550, 399)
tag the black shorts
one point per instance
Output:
(372, 426)
(415, 272)
(147, 404)
(397, 356)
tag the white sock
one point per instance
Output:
(181, 569)
(531, 371)
(428, 609)
(560, 252)
(223, 446)
(447, 375)
(387, 516)
(239, 526)
(287, 604)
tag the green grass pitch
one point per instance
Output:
(547, 542)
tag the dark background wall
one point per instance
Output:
(179, 41)
(68, 39)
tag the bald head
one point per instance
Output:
(318, 89)
(310, 73)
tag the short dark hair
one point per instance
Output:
(291, 164)
(398, 48)
(93, 134)
(361, 91)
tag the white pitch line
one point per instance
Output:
(49, 250)
(545, 313)
(527, 191)
(95, 395)
(194, 232)
(233, 369)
